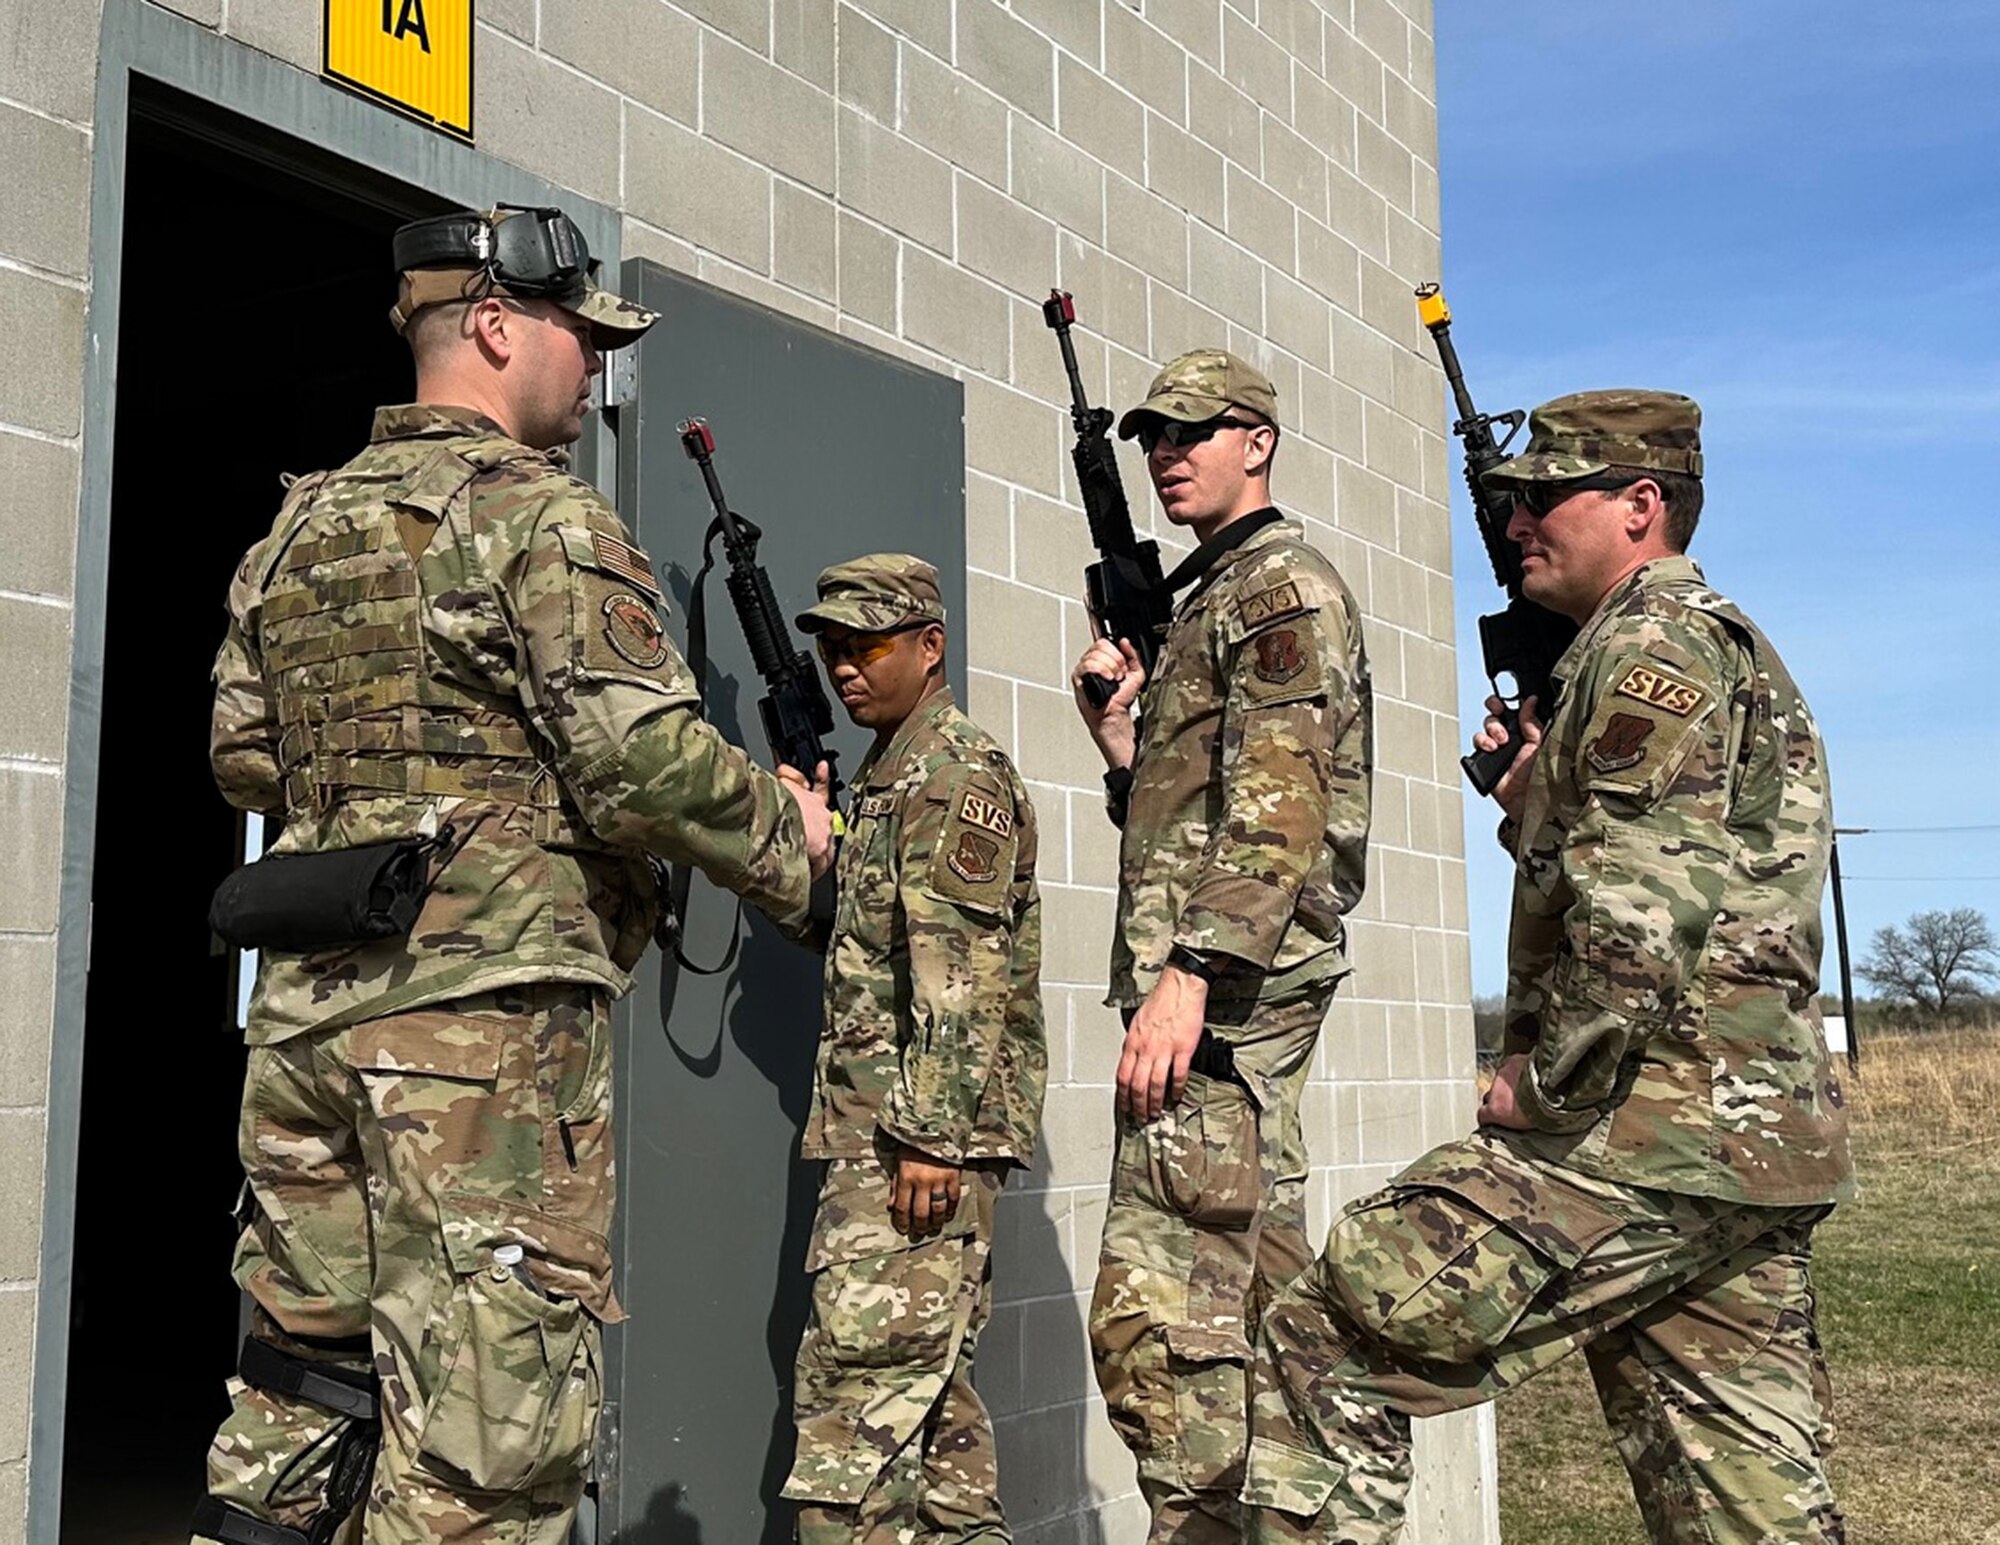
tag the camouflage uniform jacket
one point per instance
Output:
(1246, 827)
(450, 632)
(1663, 966)
(933, 968)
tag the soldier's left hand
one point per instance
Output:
(1498, 1109)
(925, 1194)
(1159, 1044)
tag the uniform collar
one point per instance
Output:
(418, 420)
(880, 772)
(1676, 569)
(1241, 535)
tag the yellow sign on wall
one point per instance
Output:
(412, 55)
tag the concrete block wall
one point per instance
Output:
(914, 174)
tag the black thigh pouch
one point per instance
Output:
(1443, 1263)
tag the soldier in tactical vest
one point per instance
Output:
(1242, 793)
(451, 639)
(1665, 1129)
(928, 1088)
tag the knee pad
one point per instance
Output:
(344, 1393)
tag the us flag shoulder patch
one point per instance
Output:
(626, 561)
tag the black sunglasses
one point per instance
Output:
(1180, 434)
(1539, 498)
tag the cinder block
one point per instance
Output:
(1406, 1027)
(1442, 619)
(1031, 1246)
(1185, 170)
(1390, 1122)
(1410, 888)
(1180, 324)
(1358, 212)
(1077, 1127)
(1014, 631)
(1257, 65)
(1358, 1051)
(1146, 230)
(652, 56)
(1220, 114)
(1354, 71)
(21, 1145)
(1367, 505)
(45, 218)
(869, 281)
(1093, 842)
(1363, 358)
(649, 241)
(925, 22)
(1423, 61)
(770, 115)
(1432, 683)
(1097, 1035)
(17, 1363)
(697, 190)
(1397, 593)
(516, 18)
(1055, 177)
(1386, 32)
(1096, 115)
(1041, 1463)
(1411, 118)
(989, 525)
(1324, 119)
(1425, 176)
(1052, 831)
(34, 689)
(1419, 393)
(1296, 168)
(725, 275)
(865, 67)
(748, 21)
(1393, 447)
(38, 485)
(1004, 239)
(804, 37)
(534, 113)
(1196, 25)
(1384, 165)
(894, 182)
(989, 701)
(292, 32)
(1055, 743)
(14, 1498)
(1013, 436)
(953, 116)
(31, 821)
(1110, 292)
(1403, 739)
(1052, 544)
(1078, 28)
(1224, 276)
(1017, 63)
(1261, 219)
(1149, 63)
(1389, 809)
(803, 241)
(43, 322)
(27, 1013)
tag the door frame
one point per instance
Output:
(139, 42)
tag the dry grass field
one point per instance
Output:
(1908, 1281)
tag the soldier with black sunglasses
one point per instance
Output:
(1239, 777)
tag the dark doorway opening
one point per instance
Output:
(252, 340)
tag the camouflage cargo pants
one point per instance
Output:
(1206, 1221)
(1479, 1267)
(440, 1183)
(894, 1444)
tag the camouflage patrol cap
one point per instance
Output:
(881, 593)
(465, 257)
(1200, 384)
(1587, 433)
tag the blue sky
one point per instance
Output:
(1792, 212)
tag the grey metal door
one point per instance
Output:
(835, 450)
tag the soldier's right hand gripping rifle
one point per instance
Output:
(1124, 589)
(1523, 642)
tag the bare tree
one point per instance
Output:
(1940, 961)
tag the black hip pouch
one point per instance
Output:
(317, 901)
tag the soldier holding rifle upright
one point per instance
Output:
(1665, 1130)
(446, 672)
(1240, 776)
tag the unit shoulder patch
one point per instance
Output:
(1651, 683)
(973, 862)
(1267, 605)
(1621, 743)
(980, 810)
(633, 629)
